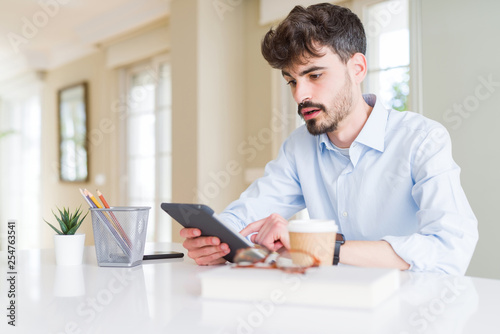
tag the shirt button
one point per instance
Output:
(344, 213)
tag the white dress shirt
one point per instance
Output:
(399, 183)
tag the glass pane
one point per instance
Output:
(164, 223)
(165, 182)
(141, 135)
(394, 49)
(142, 92)
(67, 124)
(150, 235)
(149, 142)
(165, 86)
(73, 127)
(392, 87)
(141, 180)
(68, 164)
(164, 119)
(20, 138)
(387, 30)
(388, 52)
(81, 161)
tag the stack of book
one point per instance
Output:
(338, 286)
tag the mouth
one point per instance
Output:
(309, 113)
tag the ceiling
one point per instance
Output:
(44, 34)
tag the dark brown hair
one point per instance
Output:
(305, 30)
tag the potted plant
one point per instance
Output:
(68, 245)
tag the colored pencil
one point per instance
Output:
(117, 224)
(92, 198)
(89, 202)
(103, 200)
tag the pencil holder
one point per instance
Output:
(120, 235)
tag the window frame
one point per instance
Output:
(162, 231)
(415, 84)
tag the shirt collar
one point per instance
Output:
(373, 132)
(324, 142)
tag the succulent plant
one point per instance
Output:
(69, 222)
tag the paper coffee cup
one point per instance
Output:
(315, 237)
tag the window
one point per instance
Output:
(388, 52)
(20, 136)
(147, 150)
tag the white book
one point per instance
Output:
(337, 286)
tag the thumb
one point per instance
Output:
(276, 246)
(252, 238)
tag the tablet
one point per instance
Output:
(202, 217)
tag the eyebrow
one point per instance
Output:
(304, 72)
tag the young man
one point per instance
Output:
(386, 177)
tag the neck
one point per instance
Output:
(351, 126)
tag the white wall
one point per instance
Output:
(460, 51)
(55, 193)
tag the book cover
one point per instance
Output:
(337, 286)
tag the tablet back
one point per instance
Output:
(202, 217)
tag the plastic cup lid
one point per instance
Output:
(312, 226)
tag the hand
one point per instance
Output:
(203, 250)
(272, 232)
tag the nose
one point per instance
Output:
(302, 92)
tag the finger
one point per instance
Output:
(270, 224)
(190, 232)
(273, 231)
(263, 233)
(252, 227)
(195, 253)
(210, 260)
(252, 238)
(267, 232)
(210, 254)
(267, 244)
(193, 243)
(285, 241)
(276, 246)
(214, 258)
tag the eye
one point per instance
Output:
(315, 76)
(292, 83)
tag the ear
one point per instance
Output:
(357, 67)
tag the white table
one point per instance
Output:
(163, 296)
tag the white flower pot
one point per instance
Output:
(69, 249)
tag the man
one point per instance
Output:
(386, 177)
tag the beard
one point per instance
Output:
(329, 118)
